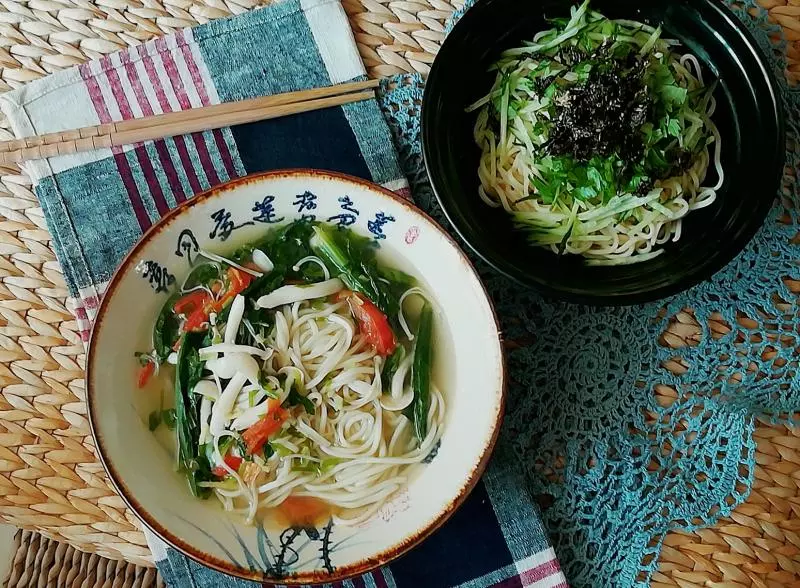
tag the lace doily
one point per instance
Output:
(626, 429)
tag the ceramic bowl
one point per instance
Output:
(468, 367)
(749, 117)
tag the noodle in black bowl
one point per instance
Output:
(733, 121)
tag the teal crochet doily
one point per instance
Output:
(619, 469)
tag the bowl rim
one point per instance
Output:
(736, 246)
(340, 573)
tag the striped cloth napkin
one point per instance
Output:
(98, 204)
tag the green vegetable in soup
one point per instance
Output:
(202, 274)
(188, 372)
(421, 372)
(390, 367)
(354, 259)
(157, 417)
(295, 398)
(166, 329)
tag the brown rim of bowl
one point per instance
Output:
(206, 559)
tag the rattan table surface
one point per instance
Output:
(50, 479)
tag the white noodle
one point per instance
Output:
(354, 451)
(313, 259)
(219, 258)
(233, 348)
(401, 316)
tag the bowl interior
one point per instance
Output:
(468, 367)
(748, 116)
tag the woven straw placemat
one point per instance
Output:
(39, 562)
(50, 480)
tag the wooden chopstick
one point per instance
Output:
(180, 123)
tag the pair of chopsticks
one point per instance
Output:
(180, 123)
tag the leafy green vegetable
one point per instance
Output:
(207, 449)
(169, 418)
(226, 445)
(266, 386)
(154, 420)
(264, 285)
(194, 367)
(202, 274)
(421, 372)
(280, 448)
(285, 246)
(295, 398)
(166, 328)
(157, 417)
(188, 372)
(256, 321)
(390, 367)
(353, 257)
(268, 451)
(662, 83)
(596, 179)
(400, 281)
(316, 467)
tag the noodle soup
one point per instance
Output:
(293, 378)
(297, 481)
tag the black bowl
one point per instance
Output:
(749, 117)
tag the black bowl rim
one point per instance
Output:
(687, 281)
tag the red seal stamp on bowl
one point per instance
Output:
(411, 234)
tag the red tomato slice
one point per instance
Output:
(194, 307)
(145, 373)
(232, 461)
(191, 302)
(237, 281)
(198, 305)
(197, 321)
(373, 324)
(270, 423)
